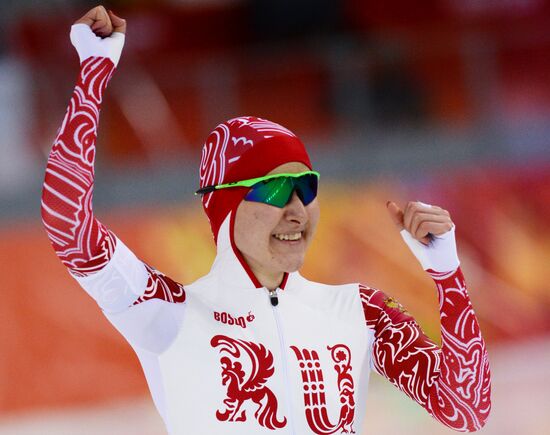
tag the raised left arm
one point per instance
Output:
(451, 382)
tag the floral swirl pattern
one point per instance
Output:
(80, 240)
(82, 243)
(453, 382)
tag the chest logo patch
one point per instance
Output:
(314, 389)
(228, 319)
(246, 367)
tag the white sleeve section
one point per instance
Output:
(440, 255)
(151, 368)
(87, 44)
(120, 283)
(152, 325)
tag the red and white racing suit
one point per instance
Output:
(219, 356)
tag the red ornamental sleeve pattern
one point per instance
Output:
(451, 382)
(81, 242)
(159, 286)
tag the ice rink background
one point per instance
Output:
(447, 102)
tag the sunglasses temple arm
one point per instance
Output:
(246, 183)
(209, 189)
(205, 190)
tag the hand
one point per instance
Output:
(99, 34)
(102, 22)
(422, 221)
(429, 232)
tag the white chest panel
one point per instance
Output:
(241, 366)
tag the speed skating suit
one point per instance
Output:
(223, 357)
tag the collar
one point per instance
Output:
(230, 263)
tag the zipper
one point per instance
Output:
(274, 302)
(273, 297)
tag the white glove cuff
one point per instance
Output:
(440, 255)
(87, 44)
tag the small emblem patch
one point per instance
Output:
(392, 303)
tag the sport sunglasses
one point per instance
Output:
(275, 189)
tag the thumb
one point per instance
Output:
(396, 214)
(119, 24)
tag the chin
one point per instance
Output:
(292, 266)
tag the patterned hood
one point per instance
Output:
(238, 149)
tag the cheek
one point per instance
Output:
(253, 226)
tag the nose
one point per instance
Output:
(295, 210)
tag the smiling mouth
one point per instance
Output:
(289, 237)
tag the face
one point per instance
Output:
(261, 229)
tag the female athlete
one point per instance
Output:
(253, 347)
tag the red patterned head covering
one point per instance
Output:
(238, 149)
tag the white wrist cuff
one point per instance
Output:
(87, 44)
(440, 255)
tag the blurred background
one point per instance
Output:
(444, 101)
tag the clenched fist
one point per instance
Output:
(99, 33)
(429, 232)
(103, 22)
(421, 220)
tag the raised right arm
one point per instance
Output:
(99, 261)
(80, 241)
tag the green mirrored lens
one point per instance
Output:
(278, 191)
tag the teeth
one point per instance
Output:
(295, 236)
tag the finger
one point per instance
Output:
(98, 20)
(408, 213)
(103, 16)
(414, 207)
(396, 214)
(91, 16)
(103, 25)
(434, 210)
(119, 24)
(87, 18)
(419, 218)
(102, 30)
(427, 228)
(99, 24)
